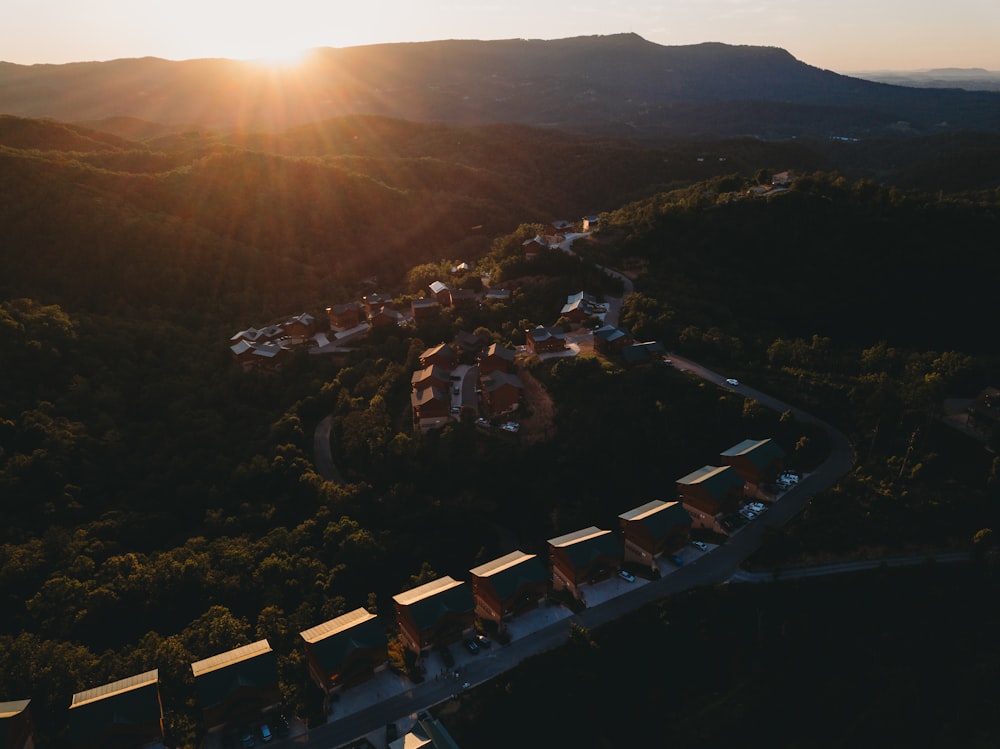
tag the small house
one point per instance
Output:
(434, 614)
(125, 713)
(237, 685)
(508, 586)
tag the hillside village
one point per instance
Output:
(239, 689)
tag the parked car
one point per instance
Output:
(700, 545)
(626, 576)
(511, 426)
(747, 513)
(456, 409)
(484, 641)
(733, 382)
(264, 730)
(471, 645)
(676, 559)
(246, 737)
(757, 507)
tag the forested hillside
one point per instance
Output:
(159, 505)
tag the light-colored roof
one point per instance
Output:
(115, 687)
(427, 590)
(231, 657)
(500, 351)
(644, 511)
(336, 626)
(577, 536)
(501, 564)
(437, 287)
(10, 709)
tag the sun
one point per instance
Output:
(281, 59)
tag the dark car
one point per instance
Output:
(484, 641)
(676, 560)
(471, 645)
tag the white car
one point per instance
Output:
(733, 382)
(511, 426)
(757, 507)
(700, 545)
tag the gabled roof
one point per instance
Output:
(428, 395)
(127, 702)
(536, 240)
(430, 602)
(376, 299)
(497, 380)
(760, 453)
(425, 734)
(305, 319)
(587, 545)
(253, 665)
(13, 709)
(581, 296)
(501, 352)
(511, 572)
(643, 352)
(658, 517)
(425, 302)
(337, 638)
(441, 348)
(560, 225)
(498, 294)
(717, 480)
(544, 334)
(437, 287)
(432, 371)
(610, 333)
(340, 309)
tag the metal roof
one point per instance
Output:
(115, 688)
(230, 658)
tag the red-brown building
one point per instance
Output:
(259, 356)
(709, 493)
(543, 340)
(756, 461)
(469, 342)
(496, 358)
(374, 302)
(125, 713)
(345, 651)
(464, 299)
(508, 586)
(385, 317)
(654, 528)
(300, 328)
(442, 355)
(430, 403)
(431, 376)
(441, 292)
(501, 393)
(585, 556)
(238, 685)
(533, 247)
(344, 316)
(434, 614)
(610, 340)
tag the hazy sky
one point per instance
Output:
(841, 35)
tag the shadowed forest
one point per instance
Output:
(159, 505)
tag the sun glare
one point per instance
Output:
(281, 59)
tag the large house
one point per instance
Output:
(434, 614)
(496, 358)
(508, 586)
(501, 393)
(441, 292)
(430, 376)
(300, 328)
(125, 713)
(374, 302)
(609, 340)
(542, 340)
(16, 728)
(431, 406)
(645, 352)
(710, 493)
(238, 685)
(581, 557)
(756, 461)
(386, 317)
(653, 529)
(344, 316)
(442, 355)
(260, 356)
(345, 651)
(533, 247)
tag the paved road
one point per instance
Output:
(716, 567)
(322, 454)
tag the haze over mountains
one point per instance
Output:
(601, 84)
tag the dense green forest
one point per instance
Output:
(159, 505)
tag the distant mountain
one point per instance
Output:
(619, 84)
(969, 79)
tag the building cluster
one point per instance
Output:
(241, 685)
(265, 349)
(444, 382)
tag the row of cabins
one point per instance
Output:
(239, 685)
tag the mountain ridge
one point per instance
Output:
(618, 83)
